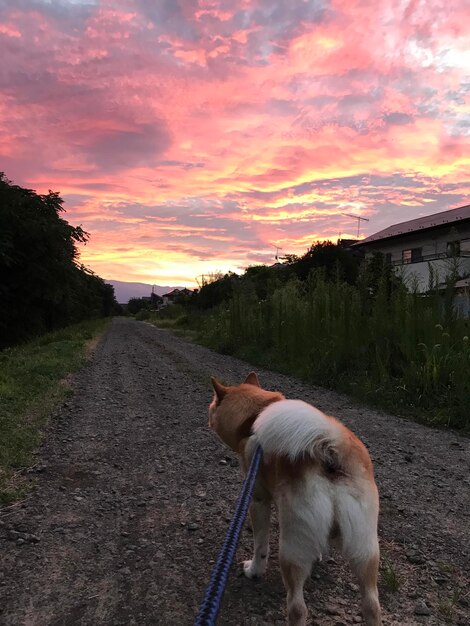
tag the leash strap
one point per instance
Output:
(210, 606)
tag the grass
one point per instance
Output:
(401, 351)
(173, 317)
(391, 579)
(33, 381)
(447, 604)
(393, 348)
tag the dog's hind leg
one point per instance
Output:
(367, 573)
(304, 527)
(260, 513)
(357, 520)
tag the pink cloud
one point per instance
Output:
(260, 120)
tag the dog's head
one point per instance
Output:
(221, 391)
(234, 408)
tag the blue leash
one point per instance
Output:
(210, 606)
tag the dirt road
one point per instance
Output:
(134, 493)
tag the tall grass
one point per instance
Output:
(398, 349)
(32, 382)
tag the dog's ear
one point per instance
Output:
(252, 379)
(220, 390)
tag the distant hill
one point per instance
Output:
(125, 291)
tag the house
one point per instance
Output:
(174, 296)
(427, 248)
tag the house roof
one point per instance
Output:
(421, 223)
(176, 292)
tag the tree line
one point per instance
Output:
(335, 261)
(43, 286)
(335, 319)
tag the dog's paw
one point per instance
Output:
(251, 571)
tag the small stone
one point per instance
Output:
(78, 498)
(222, 462)
(193, 526)
(19, 542)
(331, 609)
(422, 609)
(440, 580)
(13, 535)
(416, 559)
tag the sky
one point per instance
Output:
(193, 136)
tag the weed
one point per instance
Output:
(32, 383)
(389, 348)
(392, 580)
(446, 605)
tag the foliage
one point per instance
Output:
(42, 285)
(335, 260)
(32, 382)
(137, 304)
(215, 292)
(375, 339)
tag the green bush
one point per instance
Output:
(382, 343)
(142, 315)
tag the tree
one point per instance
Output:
(215, 292)
(337, 261)
(42, 285)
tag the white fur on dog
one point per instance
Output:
(295, 429)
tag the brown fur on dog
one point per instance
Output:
(320, 477)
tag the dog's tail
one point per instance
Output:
(297, 430)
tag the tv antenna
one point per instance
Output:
(277, 251)
(358, 218)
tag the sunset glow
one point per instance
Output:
(189, 136)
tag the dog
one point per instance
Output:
(321, 480)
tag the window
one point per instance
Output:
(465, 247)
(388, 258)
(412, 255)
(453, 248)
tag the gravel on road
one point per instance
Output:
(133, 494)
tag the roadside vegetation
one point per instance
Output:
(43, 286)
(34, 379)
(51, 308)
(335, 321)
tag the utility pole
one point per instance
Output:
(358, 218)
(277, 251)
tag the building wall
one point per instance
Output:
(434, 251)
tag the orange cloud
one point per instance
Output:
(213, 130)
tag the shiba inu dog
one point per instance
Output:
(320, 478)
